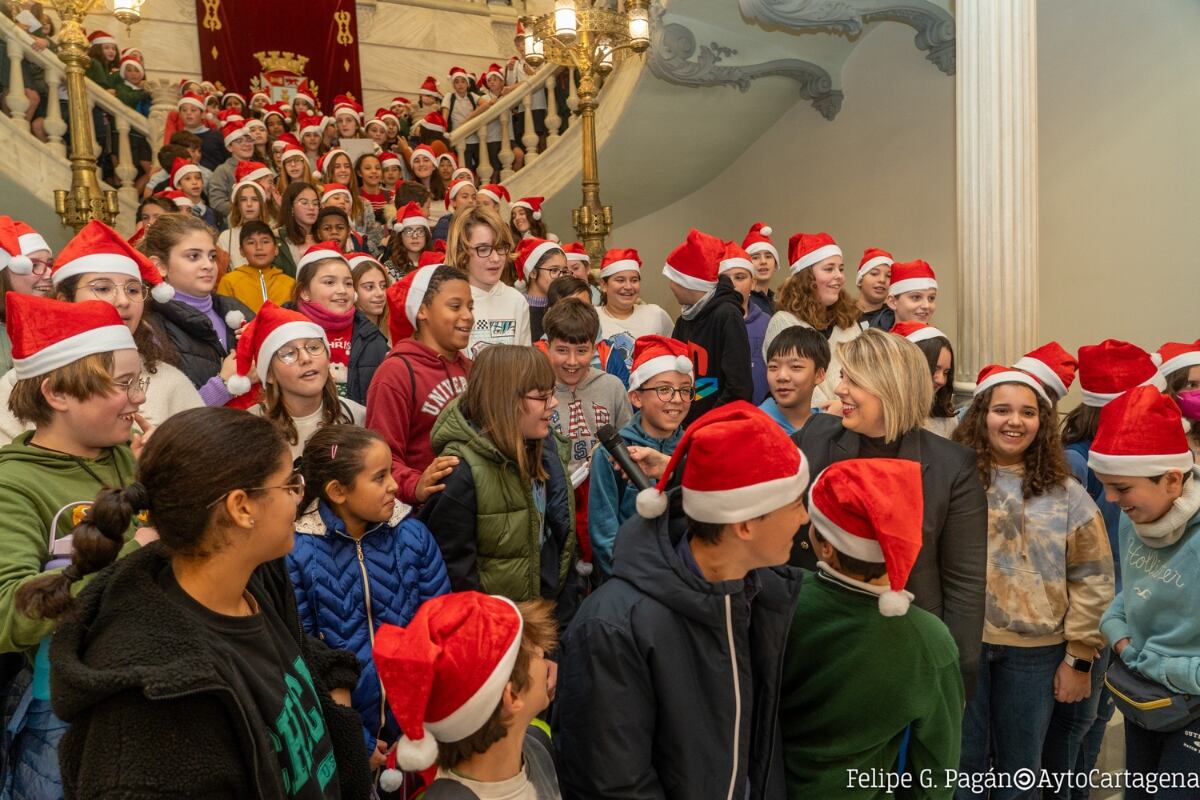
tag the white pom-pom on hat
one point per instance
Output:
(584, 568)
(235, 318)
(683, 364)
(416, 755)
(893, 604)
(390, 780)
(338, 371)
(163, 293)
(238, 385)
(651, 503)
(766, 230)
(20, 265)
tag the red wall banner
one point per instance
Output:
(323, 31)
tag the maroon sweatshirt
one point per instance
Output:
(403, 406)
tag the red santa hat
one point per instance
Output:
(455, 188)
(233, 96)
(1108, 369)
(429, 87)
(191, 99)
(251, 171)
(1052, 365)
(324, 161)
(177, 197)
(1170, 357)
(404, 299)
(343, 104)
(182, 167)
(654, 355)
(433, 258)
(531, 204)
(871, 509)
(996, 374)
(232, 131)
(271, 329)
(389, 159)
(530, 251)
(303, 92)
(255, 185)
(319, 252)
(448, 156)
(911, 276)
(739, 465)
(693, 264)
(11, 256)
(400, 101)
(332, 190)
(291, 151)
(132, 61)
(620, 259)
(734, 257)
(575, 251)
(311, 124)
(132, 52)
(273, 109)
(422, 151)
(758, 240)
(382, 115)
(872, 257)
(47, 334)
(917, 331)
(461, 172)
(30, 240)
(445, 672)
(457, 72)
(101, 37)
(259, 93)
(410, 216)
(230, 115)
(433, 121)
(98, 248)
(807, 249)
(254, 123)
(1140, 435)
(496, 192)
(493, 69)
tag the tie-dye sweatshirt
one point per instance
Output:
(1050, 567)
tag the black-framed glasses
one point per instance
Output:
(294, 486)
(290, 355)
(554, 272)
(106, 290)
(486, 250)
(543, 397)
(667, 393)
(141, 383)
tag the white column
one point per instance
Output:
(997, 154)
(55, 125)
(18, 103)
(529, 138)
(553, 120)
(506, 151)
(126, 170)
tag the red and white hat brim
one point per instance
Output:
(585, 258)
(1041, 370)
(623, 265)
(320, 255)
(412, 160)
(536, 255)
(457, 187)
(188, 170)
(745, 502)
(870, 264)
(190, 101)
(737, 262)
(432, 126)
(658, 365)
(67, 351)
(843, 540)
(253, 184)
(763, 247)
(1012, 376)
(334, 193)
(257, 175)
(32, 243)
(97, 262)
(238, 134)
(911, 285)
(391, 162)
(287, 332)
(316, 127)
(495, 198)
(1139, 466)
(686, 281)
(815, 257)
(927, 333)
(1101, 399)
(412, 222)
(102, 40)
(416, 292)
(1181, 361)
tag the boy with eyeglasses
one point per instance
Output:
(661, 389)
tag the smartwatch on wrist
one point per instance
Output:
(1083, 665)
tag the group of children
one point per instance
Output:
(381, 501)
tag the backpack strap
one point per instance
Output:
(412, 378)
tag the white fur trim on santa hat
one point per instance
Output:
(190, 101)
(32, 242)
(686, 281)
(390, 780)
(496, 198)
(97, 262)
(764, 247)
(925, 334)
(528, 207)
(333, 192)
(585, 258)
(186, 170)
(1041, 370)
(657, 365)
(894, 604)
(870, 264)
(277, 338)
(844, 541)
(416, 755)
(745, 502)
(1101, 399)
(737, 262)
(234, 318)
(163, 292)
(623, 265)
(416, 293)
(1188, 359)
(470, 716)
(815, 257)
(1140, 466)
(320, 255)
(1011, 376)
(537, 254)
(911, 285)
(73, 348)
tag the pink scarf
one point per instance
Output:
(330, 321)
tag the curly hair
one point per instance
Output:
(798, 295)
(1044, 460)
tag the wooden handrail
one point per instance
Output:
(532, 83)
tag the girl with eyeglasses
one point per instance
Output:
(539, 263)
(290, 355)
(201, 631)
(410, 238)
(298, 212)
(18, 239)
(505, 522)
(99, 265)
(479, 244)
(80, 397)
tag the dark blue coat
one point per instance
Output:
(396, 562)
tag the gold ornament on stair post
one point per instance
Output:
(85, 200)
(593, 39)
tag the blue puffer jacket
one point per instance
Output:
(395, 567)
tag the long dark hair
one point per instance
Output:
(194, 458)
(153, 344)
(1080, 424)
(943, 398)
(287, 219)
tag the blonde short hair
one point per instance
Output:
(894, 370)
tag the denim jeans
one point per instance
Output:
(1069, 725)
(1006, 721)
(1150, 752)
(1089, 752)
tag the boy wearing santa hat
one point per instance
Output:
(867, 677)
(670, 671)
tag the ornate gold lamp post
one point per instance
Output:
(85, 200)
(593, 40)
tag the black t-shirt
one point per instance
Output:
(262, 661)
(876, 447)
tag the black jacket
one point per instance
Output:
(950, 576)
(646, 705)
(201, 351)
(151, 715)
(720, 350)
(368, 349)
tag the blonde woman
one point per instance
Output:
(885, 393)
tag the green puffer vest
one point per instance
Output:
(509, 556)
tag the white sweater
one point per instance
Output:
(307, 426)
(501, 317)
(823, 397)
(645, 320)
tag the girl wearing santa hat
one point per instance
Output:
(294, 168)
(77, 383)
(409, 240)
(200, 631)
(1049, 579)
(368, 169)
(424, 169)
(762, 252)
(20, 242)
(248, 202)
(814, 295)
(1142, 458)
(935, 346)
(525, 218)
(325, 294)
(621, 282)
(1179, 365)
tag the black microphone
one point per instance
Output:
(616, 448)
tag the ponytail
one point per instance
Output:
(97, 540)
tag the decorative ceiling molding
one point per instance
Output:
(673, 46)
(934, 25)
